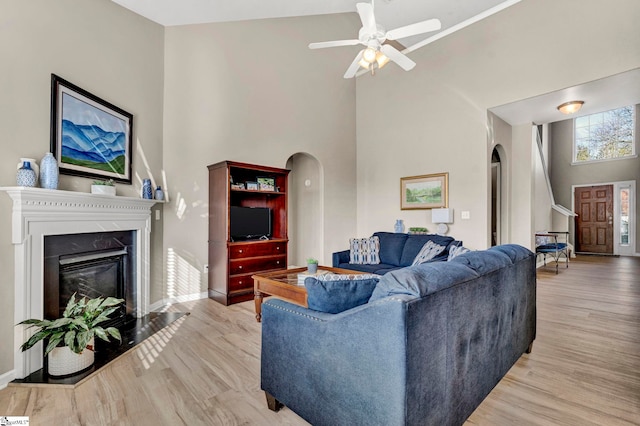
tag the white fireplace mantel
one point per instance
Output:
(40, 212)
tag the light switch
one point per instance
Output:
(157, 214)
(465, 214)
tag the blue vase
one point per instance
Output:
(49, 172)
(159, 194)
(26, 176)
(147, 191)
(399, 226)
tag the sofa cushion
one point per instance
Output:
(428, 251)
(514, 251)
(334, 293)
(421, 280)
(379, 269)
(484, 261)
(364, 251)
(391, 246)
(415, 242)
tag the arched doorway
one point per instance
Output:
(496, 197)
(305, 213)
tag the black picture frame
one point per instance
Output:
(90, 137)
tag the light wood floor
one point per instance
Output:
(204, 369)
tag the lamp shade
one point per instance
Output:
(442, 215)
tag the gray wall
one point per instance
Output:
(434, 118)
(254, 92)
(102, 48)
(564, 175)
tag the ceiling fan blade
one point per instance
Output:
(365, 10)
(323, 44)
(353, 68)
(413, 29)
(398, 57)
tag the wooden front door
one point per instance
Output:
(594, 225)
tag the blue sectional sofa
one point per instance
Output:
(429, 345)
(396, 251)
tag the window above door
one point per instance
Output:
(604, 136)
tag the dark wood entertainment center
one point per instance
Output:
(231, 263)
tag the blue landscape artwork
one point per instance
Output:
(92, 137)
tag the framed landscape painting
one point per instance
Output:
(424, 192)
(89, 136)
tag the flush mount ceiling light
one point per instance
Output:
(570, 107)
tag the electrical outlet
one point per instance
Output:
(206, 269)
(465, 215)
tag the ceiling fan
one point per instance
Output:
(373, 36)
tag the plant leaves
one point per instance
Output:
(59, 323)
(93, 305)
(83, 338)
(69, 338)
(115, 333)
(35, 338)
(70, 306)
(111, 301)
(35, 322)
(104, 316)
(80, 322)
(99, 332)
(52, 344)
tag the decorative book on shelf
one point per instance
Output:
(304, 275)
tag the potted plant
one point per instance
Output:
(312, 265)
(104, 187)
(70, 340)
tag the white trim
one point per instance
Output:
(618, 249)
(7, 378)
(462, 25)
(605, 160)
(39, 212)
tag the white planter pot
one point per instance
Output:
(63, 361)
(103, 189)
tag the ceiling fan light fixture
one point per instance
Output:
(570, 107)
(381, 59)
(364, 64)
(369, 55)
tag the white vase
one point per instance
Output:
(103, 189)
(49, 172)
(26, 176)
(34, 165)
(63, 361)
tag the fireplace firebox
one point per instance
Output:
(99, 264)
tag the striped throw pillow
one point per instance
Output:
(364, 251)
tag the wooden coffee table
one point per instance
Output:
(284, 285)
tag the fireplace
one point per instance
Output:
(40, 214)
(91, 265)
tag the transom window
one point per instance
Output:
(604, 135)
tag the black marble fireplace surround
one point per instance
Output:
(100, 264)
(93, 265)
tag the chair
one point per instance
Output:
(547, 244)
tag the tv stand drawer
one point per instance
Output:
(257, 248)
(256, 264)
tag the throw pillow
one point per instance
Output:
(456, 251)
(364, 251)
(333, 293)
(428, 251)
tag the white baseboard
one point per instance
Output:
(6, 378)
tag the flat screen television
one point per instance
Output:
(249, 223)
